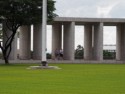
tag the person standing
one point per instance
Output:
(57, 54)
(61, 54)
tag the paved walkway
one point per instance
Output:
(68, 61)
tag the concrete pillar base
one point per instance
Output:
(120, 42)
(37, 43)
(56, 38)
(88, 42)
(25, 52)
(98, 42)
(69, 34)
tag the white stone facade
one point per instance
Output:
(93, 38)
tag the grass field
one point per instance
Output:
(71, 79)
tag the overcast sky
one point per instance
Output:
(92, 9)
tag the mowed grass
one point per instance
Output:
(71, 79)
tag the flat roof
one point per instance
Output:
(81, 21)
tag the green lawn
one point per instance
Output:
(71, 79)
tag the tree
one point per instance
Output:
(79, 52)
(15, 13)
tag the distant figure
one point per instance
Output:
(57, 54)
(61, 54)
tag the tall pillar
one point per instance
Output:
(37, 38)
(14, 50)
(120, 42)
(56, 38)
(88, 42)
(7, 33)
(25, 43)
(68, 46)
(98, 41)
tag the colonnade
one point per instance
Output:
(93, 41)
(68, 39)
(6, 35)
(25, 42)
(24, 52)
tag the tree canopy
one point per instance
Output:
(79, 52)
(15, 13)
(25, 12)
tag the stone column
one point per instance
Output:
(56, 38)
(37, 38)
(13, 54)
(68, 46)
(88, 42)
(120, 42)
(98, 41)
(7, 33)
(25, 42)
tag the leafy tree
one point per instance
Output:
(109, 54)
(79, 52)
(15, 13)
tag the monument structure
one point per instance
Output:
(93, 38)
